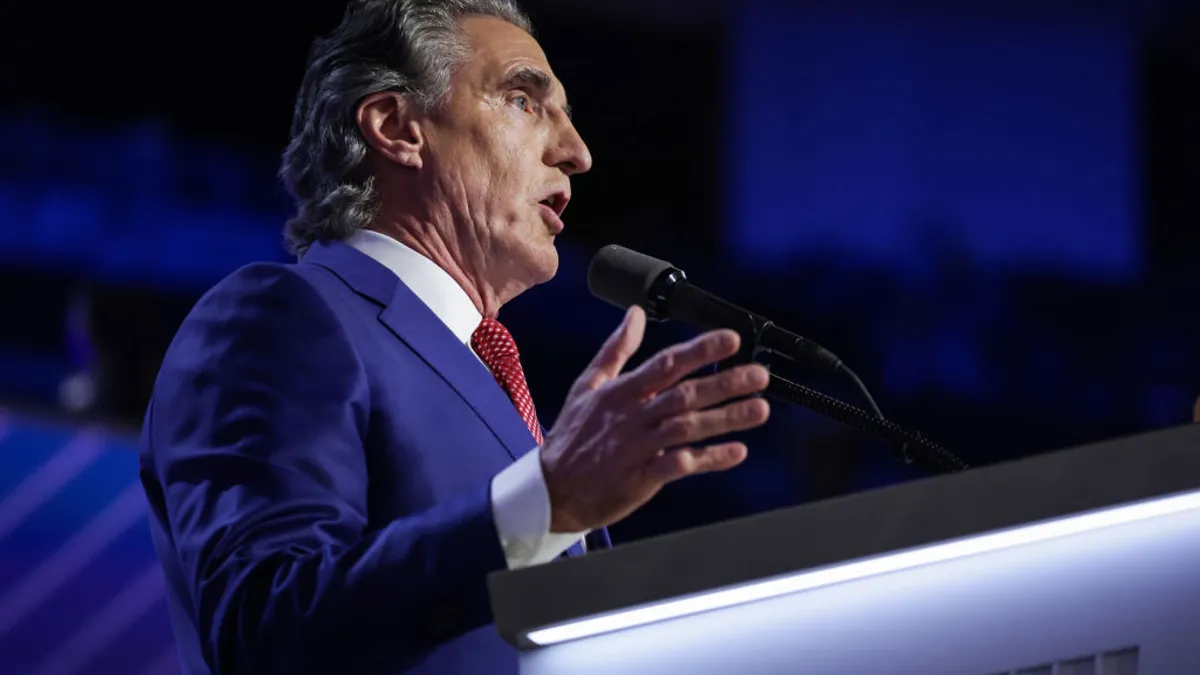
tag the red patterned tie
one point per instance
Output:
(496, 347)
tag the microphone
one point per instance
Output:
(624, 277)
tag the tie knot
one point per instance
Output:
(494, 344)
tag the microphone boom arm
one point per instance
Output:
(910, 448)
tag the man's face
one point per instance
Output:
(500, 155)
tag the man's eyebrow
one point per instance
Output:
(534, 79)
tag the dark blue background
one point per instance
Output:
(989, 212)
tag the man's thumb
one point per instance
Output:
(618, 348)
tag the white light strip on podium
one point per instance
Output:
(861, 569)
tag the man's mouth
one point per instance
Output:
(552, 207)
(550, 217)
(556, 202)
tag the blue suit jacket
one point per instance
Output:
(318, 455)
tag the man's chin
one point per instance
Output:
(530, 266)
(547, 265)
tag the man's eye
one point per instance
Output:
(521, 102)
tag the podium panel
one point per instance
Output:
(1130, 592)
(1082, 562)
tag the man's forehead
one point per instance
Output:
(499, 48)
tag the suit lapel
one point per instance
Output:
(417, 326)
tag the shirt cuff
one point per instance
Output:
(521, 508)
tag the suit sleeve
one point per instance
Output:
(255, 435)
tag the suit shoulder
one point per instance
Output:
(278, 289)
(277, 281)
(260, 278)
(260, 302)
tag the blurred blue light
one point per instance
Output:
(115, 205)
(859, 135)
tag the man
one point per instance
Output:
(338, 452)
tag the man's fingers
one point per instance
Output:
(616, 351)
(671, 365)
(679, 463)
(695, 426)
(705, 392)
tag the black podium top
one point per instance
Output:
(821, 534)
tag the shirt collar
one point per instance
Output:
(432, 284)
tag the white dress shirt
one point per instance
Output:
(520, 501)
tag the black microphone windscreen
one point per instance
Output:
(623, 277)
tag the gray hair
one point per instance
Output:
(407, 46)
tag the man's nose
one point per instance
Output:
(570, 154)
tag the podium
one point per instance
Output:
(1084, 561)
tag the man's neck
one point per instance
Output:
(445, 252)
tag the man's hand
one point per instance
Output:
(621, 437)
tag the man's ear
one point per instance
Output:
(388, 123)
